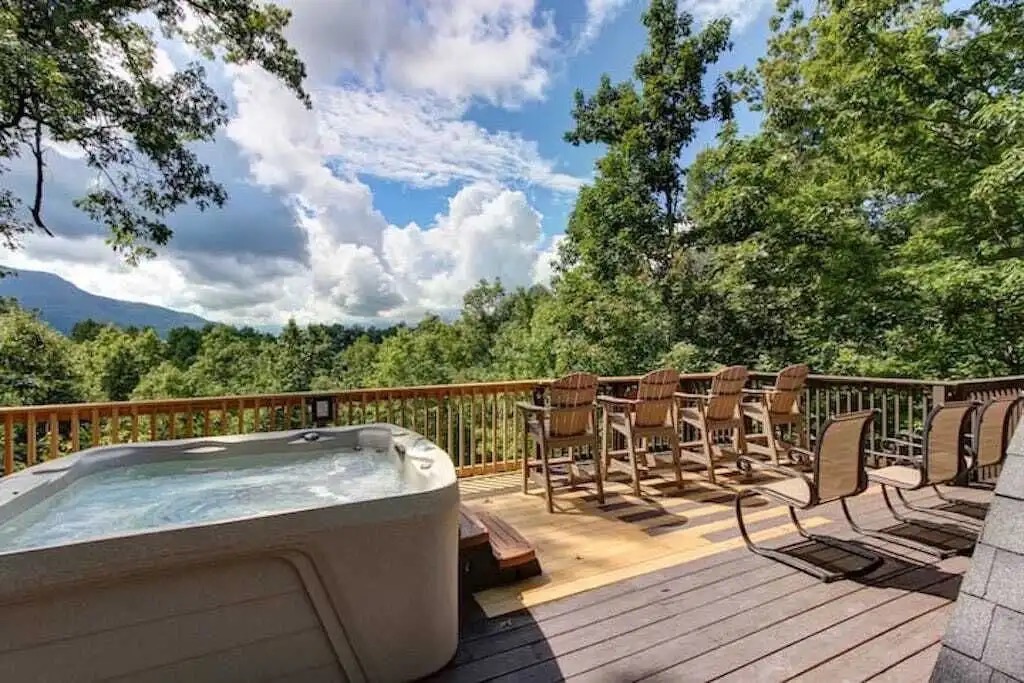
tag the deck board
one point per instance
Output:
(726, 615)
(917, 667)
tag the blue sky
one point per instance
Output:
(433, 157)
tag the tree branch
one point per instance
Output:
(37, 204)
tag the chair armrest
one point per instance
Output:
(530, 407)
(690, 397)
(910, 436)
(614, 402)
(900, 443)
(804, 451)
(778, 469)
(759, 392)
(914, 460)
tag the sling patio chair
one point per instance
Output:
(776, 409)
(717, 411)
(838, 473)
(986, 446)
(939, 459)
(993, 429)
(567, 423)
(651, 415)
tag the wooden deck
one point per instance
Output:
(722, 613)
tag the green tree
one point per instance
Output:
(231, 361)
(183, 345)
(166, 380)
(303, 355)
(38, 365)
(428, 354)
(86, 330)
(611, 330)
(355, 364)
(630, 221)
(874, 224)
(82, 73)
(115, 360)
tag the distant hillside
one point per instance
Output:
(61, 304)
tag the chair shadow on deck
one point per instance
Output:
(661, 500)
(896, 571)
(969, 509)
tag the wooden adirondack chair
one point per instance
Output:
(717, 411)
(567, 423)
(651, 415)
(776, 409)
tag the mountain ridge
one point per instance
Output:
(61, 304)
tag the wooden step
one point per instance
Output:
(508, 546)
(472, 532)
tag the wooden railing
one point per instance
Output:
(477, 424)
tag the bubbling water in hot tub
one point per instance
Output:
(145, 497)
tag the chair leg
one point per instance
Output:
(739, 439)
(606, 437)
(952, 516)
(708, 452)
(820, 573)
(598, 476)
(940, 553)
(773, 442)
(548, 490)
(572, 472)
(677, 463)
(631, 447)
(526, 471)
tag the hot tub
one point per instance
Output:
(317, 555)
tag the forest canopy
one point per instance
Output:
(872, 225)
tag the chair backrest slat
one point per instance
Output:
(841, 454)
(655, 398)
(571, 401)
(726, 392)
(943, 444)
(994, 429)
(784, 397)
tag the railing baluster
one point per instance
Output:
(54, 437)
(871, 406)
(8, 443)
(504, 428)
(462, 432)
(33, 450)
(472, 430)
(135, 423)
(76, 444)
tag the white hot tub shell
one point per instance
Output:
(360, 591)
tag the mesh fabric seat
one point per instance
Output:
(838, 473)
